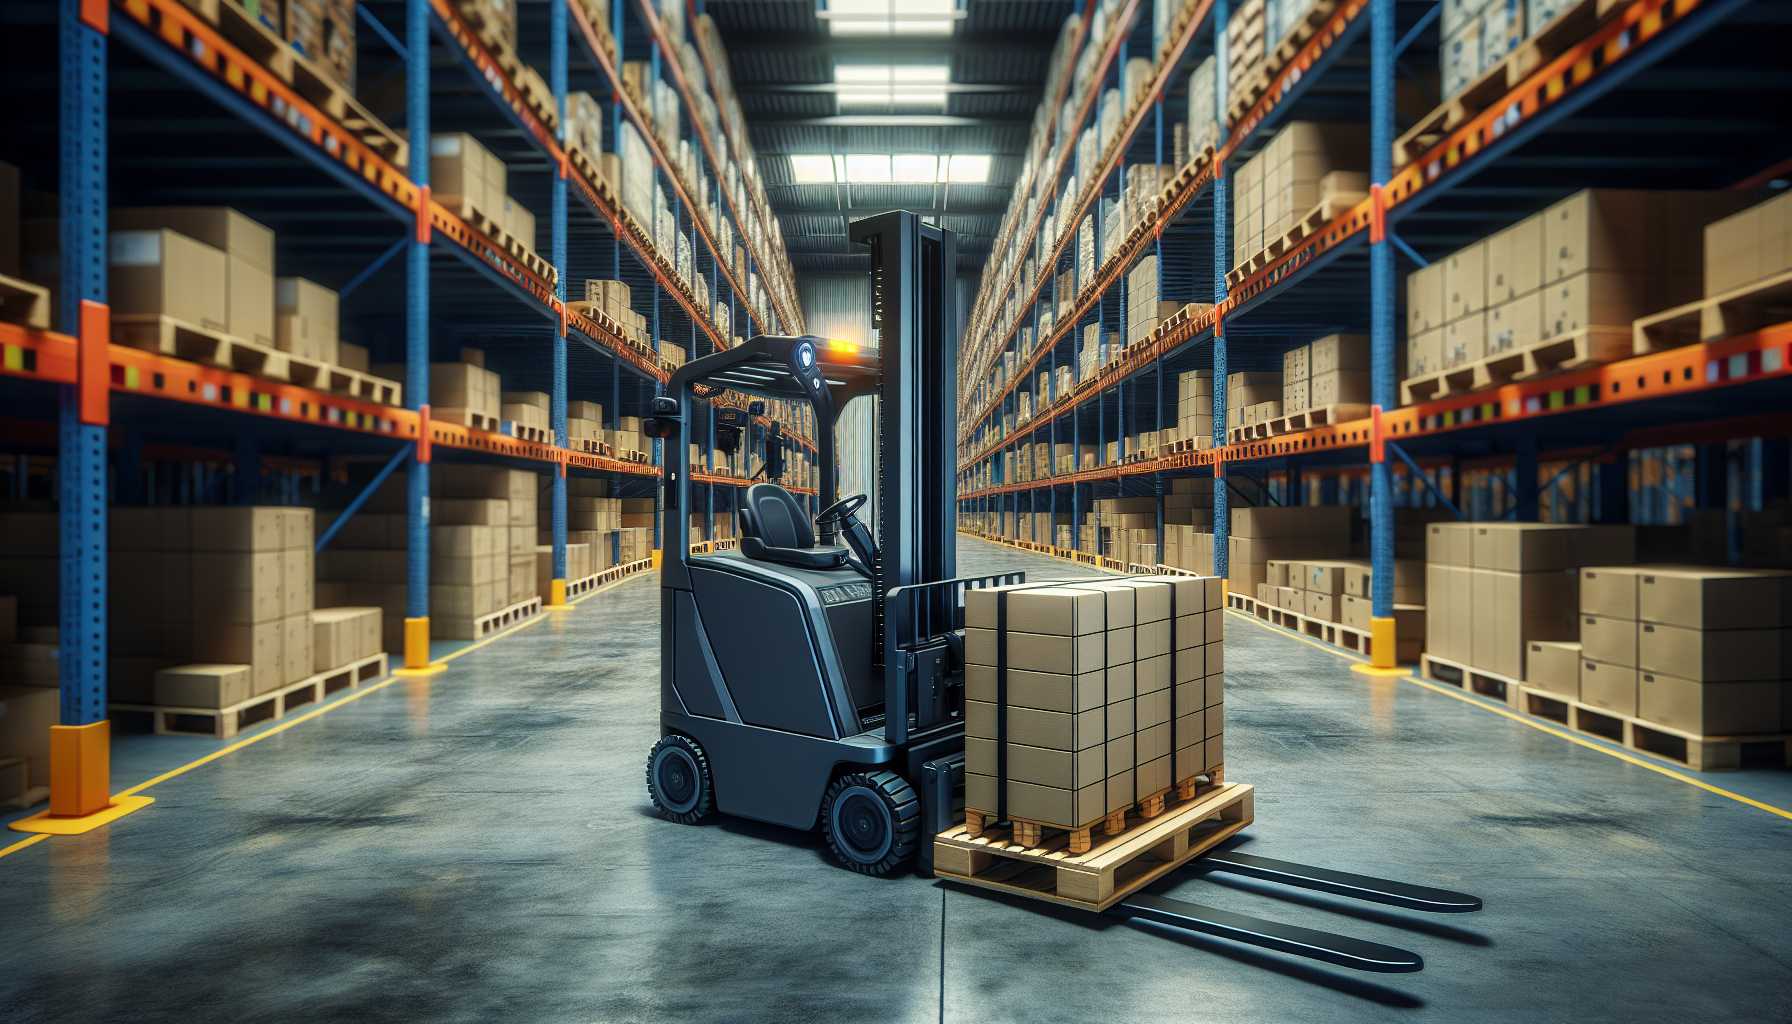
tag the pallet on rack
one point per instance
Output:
(22, 302)
(1737, 311)
(1493, 85)
(465, 417)
(1323, 416)
(539, 435)
(1311, 22)
(1471, 679)
(338, 102)
(341, 380)
(224, 723)
(167, 336)
(1112, 869)
(1700, 753)
(1588, 346)
(258, 40)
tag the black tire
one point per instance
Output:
(872, 821)
(678, 780)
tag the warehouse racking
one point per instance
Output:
(162, 102)
(1623, 94)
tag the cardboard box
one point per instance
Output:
(1711, 656)
(238, 588)
(26, 714)
(306, 319)
(1465, 340)
(202, 686)
(166, 273)
(1609, 640)
(1715, 598)
(1052, 611)
(257, 645)
(342, 636)
(1596, 298)
(1510, 609)
(1611, 687)
(1037, 728)
(1596, 229)
(1543, 547)
(1062, 808)
(1340, 387)
(1041, 766)
(1553, 665)
(1045, 691)
(1710, 709)
(1449, 544)
(1465, 281)
(1515, 324)
(1610, 591)
(1515, 261)
(248, 248)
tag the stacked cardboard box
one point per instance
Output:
(1745, 248)
(1194, 407)
(225, 586)
(1203, 108)
(306, 320)
(1700, 650)
(324, 31)
(1595, 262)
(526, 409)
(248, 248)
(343, 636)
(1095, 717)
(1305, 165)
(584, 423)
(1258, 391)
(466, 177)
(1493, 588)
(1247, 46)
(464, 392)
(1330, 371)
(1282, 533)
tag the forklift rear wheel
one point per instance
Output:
(678, 780)
(872, 821)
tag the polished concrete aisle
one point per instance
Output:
(479, 847)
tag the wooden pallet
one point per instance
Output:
(1588, 346)
(1323, 416)
(1112, 869)
(540, 435)
(1737, 311)
(1699, 753)
(504, 618)
(1323, 213)
(1310, 23)
(340, 380)
(224, 723)
(1474, 680)
(338, 102)
(465, 417)
(22, 302)
(170, 337)
(258, 40)
(1567, 29)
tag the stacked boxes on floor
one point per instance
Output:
(1700, 650)
(481, 542)
(1493, 588)
(1188, 524)
(1127, 528)
(1595, 262)
(1085, 698)
(1282, 533)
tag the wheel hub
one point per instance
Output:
(677, 777)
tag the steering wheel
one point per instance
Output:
(842, 510)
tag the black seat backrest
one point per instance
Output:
(777, 519)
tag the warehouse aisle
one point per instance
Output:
(479, 847)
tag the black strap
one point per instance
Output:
(1173, 645)
(1001, 705)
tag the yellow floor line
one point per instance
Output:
(1533, 723)
(280, 727)
(23, 843)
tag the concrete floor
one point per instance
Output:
(479, 847)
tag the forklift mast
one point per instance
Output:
(914, 326)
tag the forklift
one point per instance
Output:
(814, 677)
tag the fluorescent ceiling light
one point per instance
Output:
(890, 17)
(812, 169)
(968, 169)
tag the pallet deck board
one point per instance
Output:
(1699, 753)
(1114, 868)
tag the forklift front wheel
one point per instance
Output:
(872, 820)
(678, 780)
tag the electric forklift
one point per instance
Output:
(814, 677)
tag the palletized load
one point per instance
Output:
(1086, 699)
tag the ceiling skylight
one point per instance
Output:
(884, 85)
(884, 18)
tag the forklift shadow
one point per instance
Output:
(759, 831)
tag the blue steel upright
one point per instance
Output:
(557, 33)
(1381, 328)
(1222, 221)
(82, 433)
(416, 334)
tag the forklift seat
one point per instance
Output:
(776, 528)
